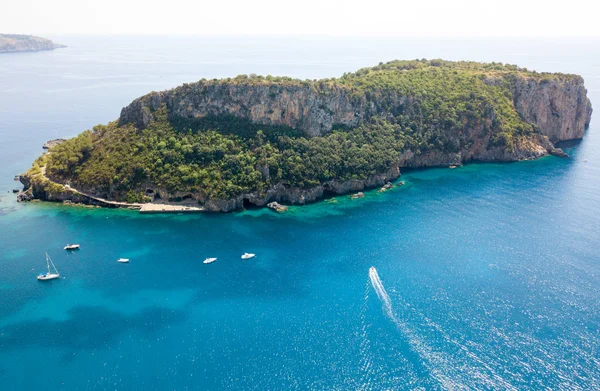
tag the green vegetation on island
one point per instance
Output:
(414, 113)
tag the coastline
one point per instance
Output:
(80, 199)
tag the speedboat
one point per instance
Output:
(209, 260)
(72, 247)
(248, 256)
(49, 275)
(123, 260)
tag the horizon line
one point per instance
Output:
(308, 35)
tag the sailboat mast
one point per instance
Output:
(49, 261)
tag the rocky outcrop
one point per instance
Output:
(25, 196)
(53, 143)
(25, 43)
(277, 207)
(559, 107)
(41, 188)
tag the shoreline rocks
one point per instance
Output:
(277, 207)
(557, 152)
(25, 196)
(386, 187)
(360, 194)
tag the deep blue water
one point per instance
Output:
(491, 272)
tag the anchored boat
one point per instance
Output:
(248, 256)
(72, 247)
(50, 275)
(209, 260)
(123, 260)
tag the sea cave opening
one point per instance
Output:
(246, 204)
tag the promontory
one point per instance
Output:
(228, 144)
(25, 43)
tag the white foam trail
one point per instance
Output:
(443, 370)
(381, 293)
(439, 366)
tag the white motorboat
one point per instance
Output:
(72, 247)
(209, 260)
(123, 260)
(248, 256)
(50, 275)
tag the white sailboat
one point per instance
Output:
(248, 256)
(209, 260)
(49, 275)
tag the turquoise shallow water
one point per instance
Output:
(488, 274)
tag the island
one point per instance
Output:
(10, 43)
(230, 144)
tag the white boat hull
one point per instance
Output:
(48, 277)
(248, 256)
(209, 260)
(72, 247)
(123, 260)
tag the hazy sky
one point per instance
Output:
(317, 17)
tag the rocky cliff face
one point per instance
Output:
(559, 107)
(25, 43)
(301, 107)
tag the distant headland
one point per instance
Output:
(231, 143)
(10, 43)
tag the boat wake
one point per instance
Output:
(434, 362)
(382, 294)
(438, 365)
(443, 368)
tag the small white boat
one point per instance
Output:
(123, 260)
(248, 256)
(49, 275)
(209, 260)
(72, 247)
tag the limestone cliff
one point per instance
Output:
(558, 107)
(298, 106)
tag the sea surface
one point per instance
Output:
(486, 277)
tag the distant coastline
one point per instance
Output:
(13, 43)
